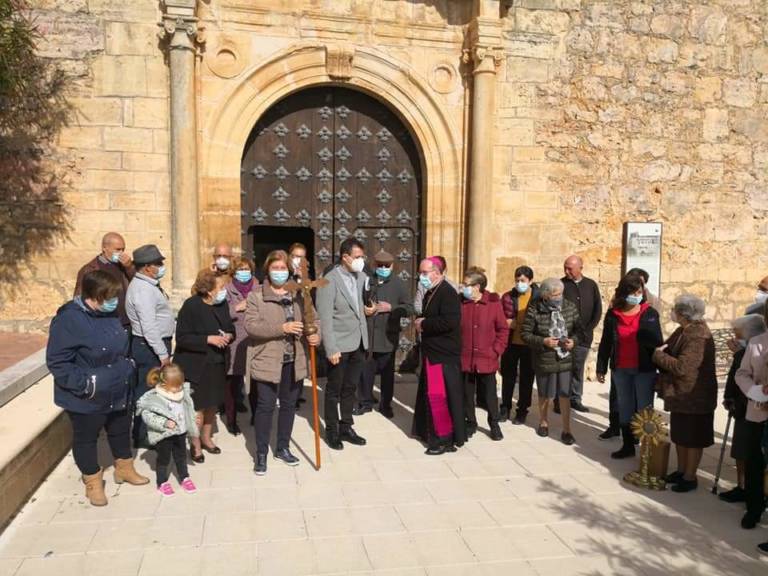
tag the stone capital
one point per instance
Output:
(485, 47)
(179, 26)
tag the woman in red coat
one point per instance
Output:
(484, 335)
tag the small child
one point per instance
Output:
(169, 414)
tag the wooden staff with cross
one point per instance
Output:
(304, 286)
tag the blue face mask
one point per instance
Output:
(221, 295)
(109, 306)
(160, 272)
(634, 299)
(522, 287)
(555, 303)
(466, 291)
(115, 258)
(243, 276)
(278, 277)
(425, 281)
(383, 272)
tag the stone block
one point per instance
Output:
(129, 38)
(144, 161)
(134, 201)
(739, 93)
(517, 95)
(760, 60)
(95, 200)
(668, 26)
(605, 15)
(580, 40)
(160, 143)
(81, 137)
(750, 123)
(661, 50)
(715, 124)
(515, 131)
(660, 170)
(120, 76)
(97, 111)
(648, 147)
(150, 112)
(757, 195)
(708, 24)
(108, 180)
(128, 139)
(707, 89)
(541, 21)
(528, 153)
(150, 181)
(526, 70)
(157, 77)
(99, 159)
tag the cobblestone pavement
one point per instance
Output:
(521, 506)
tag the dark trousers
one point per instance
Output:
(340, 390)
(613, 407)
(580, 354)
(379, 363)
(233, 395)
(486, 383)
(754, 468)
(85, 436)
(267, 395)
(175, 445)
(145, 359)
(514, 357)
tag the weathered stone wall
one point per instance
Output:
(115, 149)
(615, 111)
(606, 111)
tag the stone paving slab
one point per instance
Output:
(521, 506)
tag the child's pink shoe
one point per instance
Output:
(165, 489)
(188, 486)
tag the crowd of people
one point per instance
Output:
(242, 344)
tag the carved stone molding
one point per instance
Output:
(339, 61)
(443, 77)
(180, 27)
(485, 47)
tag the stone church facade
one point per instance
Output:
(494, 132)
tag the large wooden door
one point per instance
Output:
(341, 163)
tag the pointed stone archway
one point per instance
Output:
(227, 128)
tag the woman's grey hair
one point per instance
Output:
(750, 325)
(549, 286)
(690, 307)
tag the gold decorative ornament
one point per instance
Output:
(648, 426)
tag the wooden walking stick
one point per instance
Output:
(304, 287)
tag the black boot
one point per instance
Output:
(627, 449)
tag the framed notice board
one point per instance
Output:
(641, 248)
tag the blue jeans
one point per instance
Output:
(634, 391)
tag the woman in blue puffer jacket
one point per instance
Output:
(87, 356)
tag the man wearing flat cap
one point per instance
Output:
(151, 317)
(390, 295)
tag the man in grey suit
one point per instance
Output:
(345, 337)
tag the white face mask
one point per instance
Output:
(222, 263)
(357, 264)
(296, 262)
(761, 297)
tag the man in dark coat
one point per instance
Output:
(389, 295)
(583, 292)
(114, 260)
(438, 417)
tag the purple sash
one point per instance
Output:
(438, 400)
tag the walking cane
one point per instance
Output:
(722, 454)
(315, 409)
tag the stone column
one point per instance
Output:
(484, 54)
(180, 31)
